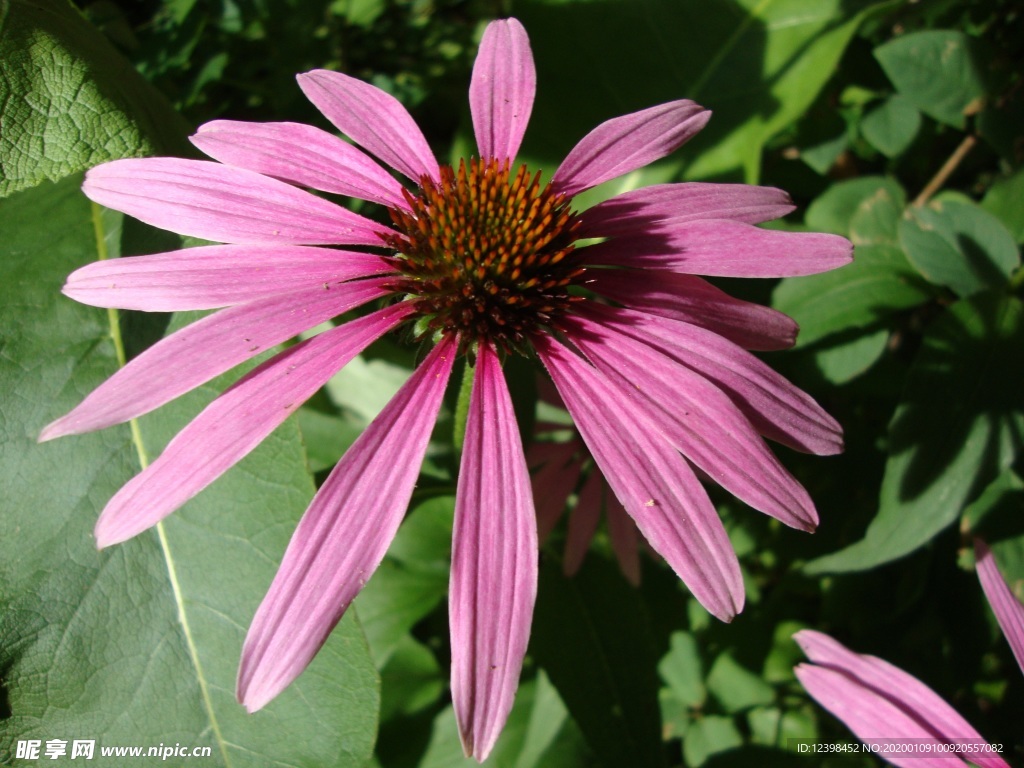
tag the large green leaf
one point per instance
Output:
(139, 644)
(591, 635)
(959, 425)
(757, 64)
(68, 100)
(937, 71)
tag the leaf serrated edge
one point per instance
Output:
(113, 317)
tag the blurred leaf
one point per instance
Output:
(682, 671)
(139, 643)
(958, 245)
(411, 680)
(412, 580)
(843, 359)
(68, 100)
(821, 157)
(878, 282)
(936, 71)
(998, 517)
(326, 437)
(735, 687)
(757, 65)
(872, 203)
(591, 636)
(891, 127)
(708, 736)
(959, 425)
(365, 386)
(1003, 200)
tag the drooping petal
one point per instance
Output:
(776, 408)
(342, 537)
(695, 301)
(204, 199)
(1007, 608)
(624, 536)
(502, 89)
(625, 143)
(552, 485)
(212, 276)
(699, 420)
(301, 154)
(373, 119)
(235, 423)
(652, 481)
(583, 522)
(661, 206)
(878, 701)
(494, 563)
(207, 348)
(725, 249)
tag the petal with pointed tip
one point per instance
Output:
(342, 537)
(699, 420)
(623, 144)
(300, 154)
(208, 348)
(724, 249)
(494, 563)
(661, 206)
(583, 522)
(877, 700)
(1007, 608)
(693, 300)
(235, 423)
(502, 89)
(651, 480)
(204, 199)
(212, 276)
(373, 119)
(776, 408)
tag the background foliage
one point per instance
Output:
(897, 124)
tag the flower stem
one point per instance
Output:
(936, 182)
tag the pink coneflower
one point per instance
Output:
(883, 705)
(480, 258)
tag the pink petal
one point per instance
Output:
(726, 249)
(776, 408)
(502, 89)
(300, 154)
(373, 119)
(661, 206)
(583, 522)
(214, 276)
(626, 143)
(235, 423)
(654, 483)
(230, 205)
(1007, 608)
(207, 348)
(342, 537)
(696, 301)
(877, 700)
(494, 563)
(625, 538)
(699, 420)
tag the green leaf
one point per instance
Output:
(682, 671)
(735, 687)
(68, 100)
(998, 517)
(844, 359)
(958, 245)
(139, 644)
(708, 736)
(878, 282)
(936, 70)
(891, 127)
(758, 64)
(1003, 201)
(957, 427)
(866, 208)
(411, 680)
(591, 636)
